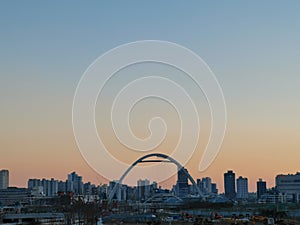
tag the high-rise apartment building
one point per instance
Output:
(49, 187)
(182, 182)
(75, 184)
(61, 187)
(229, 184)
(34, 183)
(143, 189)
(206, 186)
(261, 188)
(242, 188)
(214, 189)
(4, 179)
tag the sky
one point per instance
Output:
(251, 46)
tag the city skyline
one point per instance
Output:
(287, 189)
(251, 47)
(240, 188)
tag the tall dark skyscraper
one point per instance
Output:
(229, 184)
(261, 188)
(182, 182)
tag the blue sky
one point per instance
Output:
(236, 38)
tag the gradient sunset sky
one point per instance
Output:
(253, 48)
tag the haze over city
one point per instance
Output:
(252, 48)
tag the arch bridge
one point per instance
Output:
(144, 159)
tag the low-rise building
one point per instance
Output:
(289, 185)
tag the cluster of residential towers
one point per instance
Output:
(287, 188)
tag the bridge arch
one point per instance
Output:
(142, 160)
